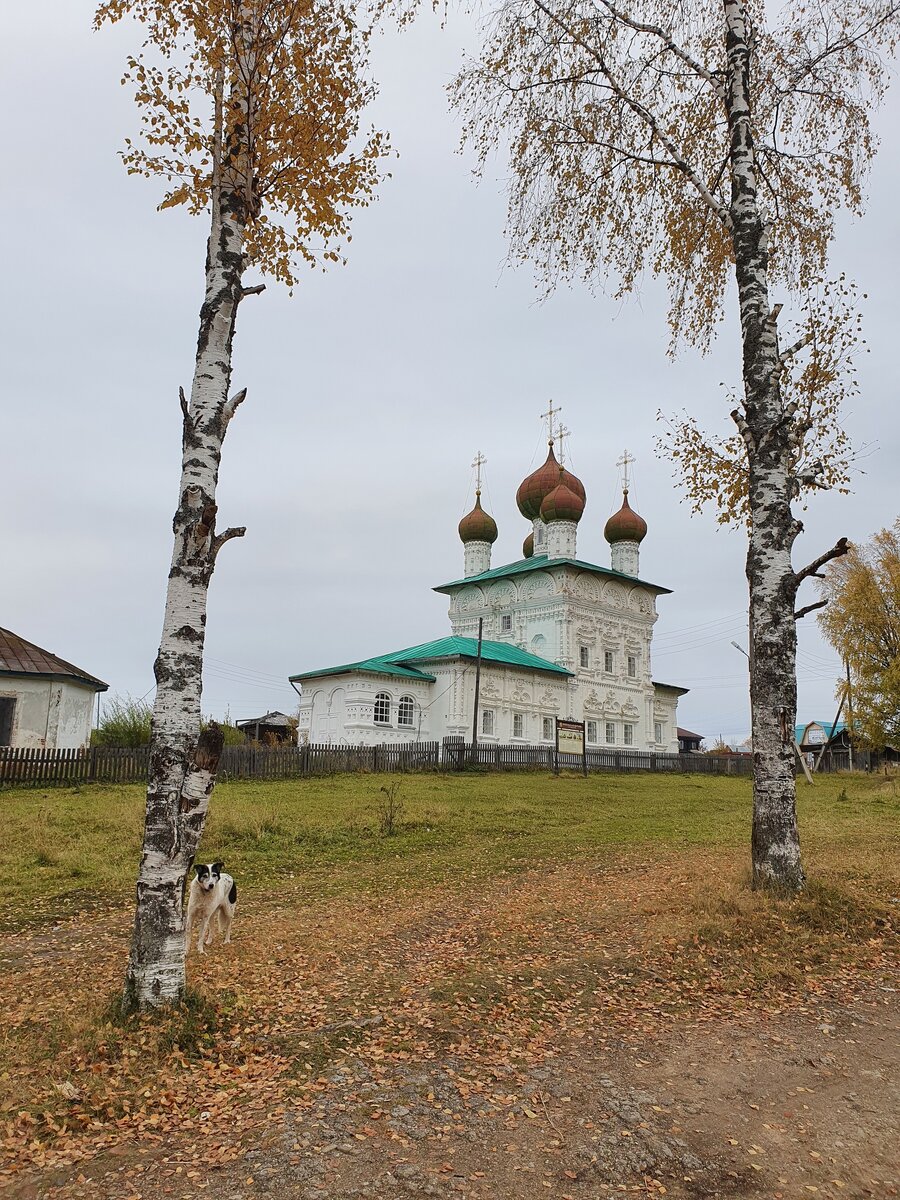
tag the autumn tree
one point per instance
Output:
(250, 110)
(862, 623)
(709, 144)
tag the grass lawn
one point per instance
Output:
(508, 915)
(64, 850)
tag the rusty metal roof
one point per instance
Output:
(277, 719)
(21, 657)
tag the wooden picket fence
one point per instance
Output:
(463, 755)
(110, 764)
(24, 767)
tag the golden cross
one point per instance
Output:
(561, 434)
(624, 463)
(550, 414)
(479, 462)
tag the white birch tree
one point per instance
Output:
(250, 109)
(711, 143)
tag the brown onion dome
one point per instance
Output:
(541, 482)
(478, 526)
(563, 503)
(528, 546)
(625, 525)
(574, 484)
(532, 490)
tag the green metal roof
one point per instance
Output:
(540, 562)
(374, 666)
(447, 647)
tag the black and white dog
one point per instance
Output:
(213, 893)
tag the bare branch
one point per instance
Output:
(667, 40)
(218, 542)
(743, 428)
(680, 163)
(801, 612)
(253, 291)
(185, 410)
(840, 548)
(231, 406)
(786, 355)
(830, 49)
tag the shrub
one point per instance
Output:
(390, 809)
(124, 722)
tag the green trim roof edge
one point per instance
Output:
(541, 563)
(397, 663)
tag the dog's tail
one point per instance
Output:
(232, 895)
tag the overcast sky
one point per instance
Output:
(369, 392)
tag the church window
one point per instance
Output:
(658, 732)
(610, 733)
(548, 729)
(518, 724)
(584, 656)
(592, 731)
(632, 666)
(405, 710)
(382, 709)
(629, 735)
(487, 722)
(608, 661)
(506, 623)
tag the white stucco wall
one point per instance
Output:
(49, 714)
(554, 613)
(341, 710)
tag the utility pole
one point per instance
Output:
(833, 731)
(849, 713)
(477, 689)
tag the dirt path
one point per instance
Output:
(543, 1037)
(797, 1109)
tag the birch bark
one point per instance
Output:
(183, 762)
(765, 426)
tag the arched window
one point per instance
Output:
(405, 710)
(382, 709)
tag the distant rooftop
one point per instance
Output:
(277, 719)
(831, 729)
(398, 663)
(21, 657)
(540, 562)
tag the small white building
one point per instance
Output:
(45, 702)
(560, 638)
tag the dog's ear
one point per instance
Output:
(201, 869)
(217, 868)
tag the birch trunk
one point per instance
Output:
(183, 762)
(765, 426)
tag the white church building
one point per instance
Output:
(560, 638)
